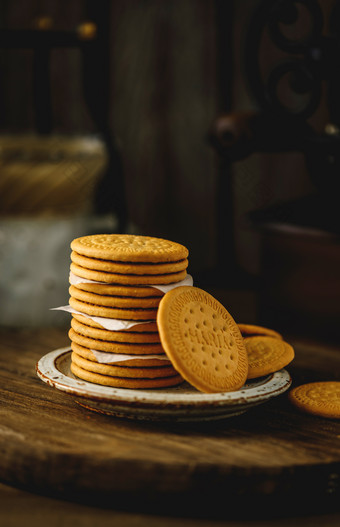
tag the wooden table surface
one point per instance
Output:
(263, 467)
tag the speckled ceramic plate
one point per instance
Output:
(182, 403)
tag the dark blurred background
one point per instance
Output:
(213, 123)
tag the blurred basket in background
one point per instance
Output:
(49, 175)
(47, 187)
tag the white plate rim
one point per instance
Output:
(273, 385)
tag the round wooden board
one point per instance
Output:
(272, 458)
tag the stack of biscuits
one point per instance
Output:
(114, 278)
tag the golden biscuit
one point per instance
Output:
(111, 266)
(202, 340)
(127, 279)
(144, 362)
(115, 347)
(114, 336)
(129, 248)
(318, 398)
(111, 312)
(120, 290)
(113, 279)
(123, 371)
(114, 301)
(248, 330)
(121, 382)
(267, 355)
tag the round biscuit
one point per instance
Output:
(111, 312)
(138, 268)
(120, 290)
(115, 347)
(121, 382)
(129, 248)
(318, 398)
(202, 340)
(114, 301)
(123, 371)
(127, 279)
(252, 329)
(114, 336)
(267, 355)
(144, 362)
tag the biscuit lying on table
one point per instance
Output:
(318, 398)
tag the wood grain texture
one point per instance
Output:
(269, 456)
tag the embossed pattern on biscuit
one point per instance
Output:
(202, 340)
(267, 355)
(122, 270)
(318, 398)
(130, 248)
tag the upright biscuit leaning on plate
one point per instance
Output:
(202, 340)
